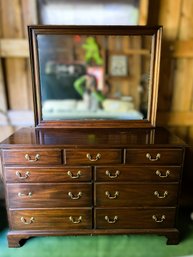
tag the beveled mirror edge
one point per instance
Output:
(156, 31)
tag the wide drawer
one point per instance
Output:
(154, 156)
(123, 194)
(51, 219)
(32, 156)
(133, 218)
(47, 174)
(49, 195)
(94, 157)
(137, 173)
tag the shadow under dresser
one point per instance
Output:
(85, 181)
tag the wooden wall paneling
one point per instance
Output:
(16, 68)
(143, 12)
(170, 20)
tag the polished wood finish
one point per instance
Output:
(49, 195)
(135, 218)
(136, 173)
(135, 195)
(47, 174)
(89, 156)
(69, 194)
(51, 219)
(19, 156)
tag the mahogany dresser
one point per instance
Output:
(78, 181)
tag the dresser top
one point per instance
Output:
(105, 138)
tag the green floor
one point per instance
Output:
(100, 246)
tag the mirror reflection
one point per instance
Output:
(94, 77)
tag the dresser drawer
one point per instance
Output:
(123, 194)
(154, 156)
(51, 219)
(136, 218)
(49, 195)
(137, 173)
(94, 157)
(32, 156)
(47, 174)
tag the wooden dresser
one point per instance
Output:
(78, 181)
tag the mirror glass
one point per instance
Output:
(97, 77)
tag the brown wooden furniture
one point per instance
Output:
(74, 182)
(64, 177)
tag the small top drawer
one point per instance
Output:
(94, 156)
(32, 156)
(154, 156)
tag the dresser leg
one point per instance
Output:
(173, 238)
(15, 241)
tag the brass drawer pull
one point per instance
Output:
(148, 156)
(158, 220)
(78, 174)
(114, 220)
(19, 175)
(73, 197)
(31, 220)
(98, 156)
(162, 176)
(29, 158)
(112, 197)
(75, 221)
(117, 173)
(156, 193)
(23, 195)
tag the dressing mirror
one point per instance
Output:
(95, 76)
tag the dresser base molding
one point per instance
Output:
(17, 238)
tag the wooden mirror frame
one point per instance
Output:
(155, 32)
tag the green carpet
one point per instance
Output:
(100, 246)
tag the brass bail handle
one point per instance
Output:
(75, 221)
(70, 174)
(154, 217)
(110, 196)
(93, 159)
(30, 159)
(73, 197)
(30, 221)
(110, 175)
(156, 193)
(149, 157)
(167, 173)
(20, 176)
(25, 195)
(111, 221)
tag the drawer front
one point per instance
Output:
(49, 195)
(32, 156)
(44, 174)
(51, 219)
(137, 173)
(131, 218)
(123, 194)
(93, 157)
(154, 156)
